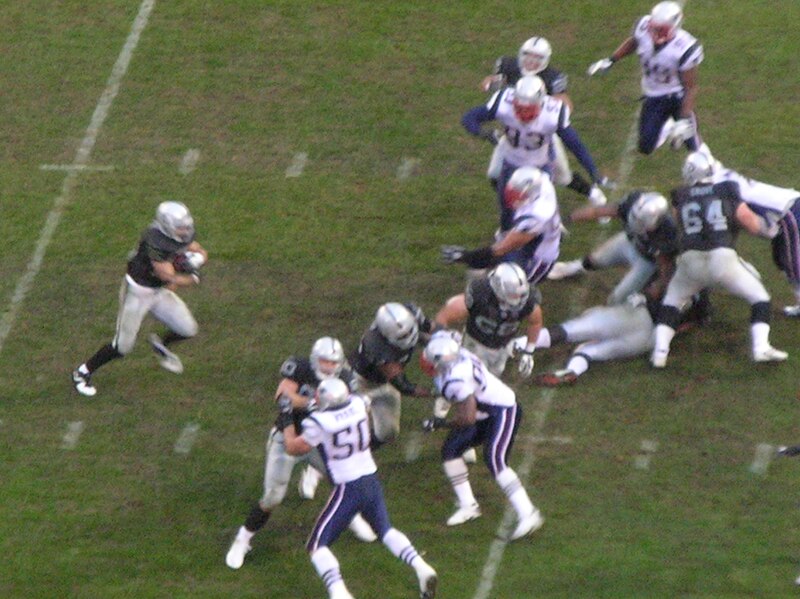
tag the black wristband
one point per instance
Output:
(402, 384)
(480, 258)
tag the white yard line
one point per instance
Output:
(73, 434)
(762, 458)
(407, 168)
(647, 450)
(297, 166)
(187, 438)
(82, 156)
(75, 167)
(189, 161)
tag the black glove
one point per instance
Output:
(432, 424)
(789, 452)
(422, 321)
(491, 135)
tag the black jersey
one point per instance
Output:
(707, 215)
(554, 80)
(153, 246)
(487, 322)
(301, 372)
(663, 240)
(373, 350)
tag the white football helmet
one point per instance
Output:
(441, 351)
(665, 20)
(697, 168)
(524, 185)
(327, 349)
(174, 220)
(534, 56)
(510, 285)
(529, 95)
(396, 322)
(647, 212)
(332, 393)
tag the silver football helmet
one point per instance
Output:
(534, 56)
(332, 393)
(174, 220)
(529, 95)
(510, 285)
(698, 168)
(396, 322)
(441, 352)
(524, 185)
(647, 212)
(665, 20)
(327, 349)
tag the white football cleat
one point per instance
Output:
(428, 581)
(309, 480)
(235, 557)
(362, 530)
(167, 359)
(83, 383)
(470, 456)
(597, 197)
(769, 354)
(793, 311)
(527, 525)
(564, 270)
(464, 514)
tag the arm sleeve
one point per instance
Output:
(573, 142)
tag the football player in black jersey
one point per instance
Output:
(534, 59)
(492, 308)
(710, 216)
(149, 287)
(380, 361)
(294, 397)
(649, 240)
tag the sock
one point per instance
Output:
(759, 332)
(579, 185)
(663, 338)
(327, 567)
(456, 471)
(104, 354)
(516, 493)
(543, 340)
(400, 546)
(578, 363)
(256, 520)
(172, 337)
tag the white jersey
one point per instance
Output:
(755, 193)
(661, 67)
(342, 437)
(542, 218)
(468, 376)
(530, 144)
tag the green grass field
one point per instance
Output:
(362, 88)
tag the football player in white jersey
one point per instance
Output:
(780, 205)
(340, 430)
(486, 413)
(669, 57)
(531, 118)
(533, 237)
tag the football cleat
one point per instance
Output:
(83, 383)
(428, 581)
(769, 354)
(309, 480)
(527, 525)
(597, 197)
(792, 311)
(564, 270)
(167, 359)
(235, 557)
(470, 456)
(464, 514)
(556, 379)
(362, 530)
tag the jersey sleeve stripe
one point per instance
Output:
(690, 52)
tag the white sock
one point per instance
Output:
(244, 534)
(83, 369)
(759, 332)
(543, 340)
(516, 493)
(578, 364)
(663, 338)
(327, 566)
(400, 546)
(456, 470)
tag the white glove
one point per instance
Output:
(634, 300)
(601, 66)
(525, 363)
(682, 130)
(452, 253)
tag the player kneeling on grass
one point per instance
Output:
(485, 412)
(168, 257)
(340, 430)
